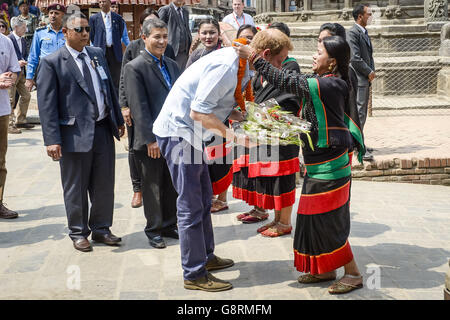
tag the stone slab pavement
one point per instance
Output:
(400, 238)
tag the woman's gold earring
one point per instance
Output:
(330, 67)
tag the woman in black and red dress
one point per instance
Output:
(323, 221)
(261, 181)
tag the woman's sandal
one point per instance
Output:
(265, 227)
(340, 287)
(309, 278)
(277, 230)
(243, 215)
(218, 205)
(255, 216)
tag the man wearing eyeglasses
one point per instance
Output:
(46, 40)
(80, 115)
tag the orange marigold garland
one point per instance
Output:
(241, 72)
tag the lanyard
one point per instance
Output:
(234, 16)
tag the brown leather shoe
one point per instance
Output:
(82, 244)
(217, 263)
(208, 283)
(107, 238)
(136, 202)
(5, 213)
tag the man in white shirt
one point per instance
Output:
(9, 67)
(238, 18)
(19, 27)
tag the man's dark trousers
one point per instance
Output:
(114, 66)
(135, 173)
(158, 194)
(92, 173)
(191, 181)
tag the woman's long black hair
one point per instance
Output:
(339, 49)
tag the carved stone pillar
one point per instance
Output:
(443, 79)
(307, 5)
(436, 14)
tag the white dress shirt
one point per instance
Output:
(236, 21)
(19, 41)
(94, 76)
(108, 27)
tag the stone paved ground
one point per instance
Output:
(401, 230)
(405, 137)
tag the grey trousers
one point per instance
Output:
(362, 101)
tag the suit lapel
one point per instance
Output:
(75, 71)
(16, 47)
(154, 66)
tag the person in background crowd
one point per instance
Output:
(132, 51)
(107, 33)
(19, 28)
(115, 9)
(271, 187)
(34, 10)
(46, 40)
(362, 63)
(31, 20)
(14, 9)
(176, 16)
(148, 80)
(220, 172)
(238, 17)
(4, 13)
(323, 221)
(44, 19)
(4, 27)
(80, 115)
(246, 31)
(9, 68)
(114, 6)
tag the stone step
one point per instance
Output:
(399, 103)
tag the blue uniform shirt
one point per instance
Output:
(163, 68)
(45, 41)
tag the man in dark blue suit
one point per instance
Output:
(106, 33)
(19, 89)
(80, 114)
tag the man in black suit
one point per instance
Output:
(80, 114)
(176, 16)
(148, 80)
(133, 50)
(362, 61)
(18, 89)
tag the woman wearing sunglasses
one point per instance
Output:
(4, 27)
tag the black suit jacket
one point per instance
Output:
(133, 50)
(361, 54)
(66, 109)
(146, 91)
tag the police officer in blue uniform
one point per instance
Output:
(46, 40)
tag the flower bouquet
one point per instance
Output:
(267, 123)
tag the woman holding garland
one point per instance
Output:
(271, 187)
(323, 221)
